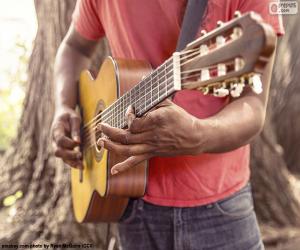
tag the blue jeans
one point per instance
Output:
(228, 224)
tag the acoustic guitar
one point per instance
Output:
(222, 62)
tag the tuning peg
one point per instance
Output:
(205, 75)
(236, 89)
(204, 90)
(220, 92)
(238, 63)
(220, 23)
(221, 68)
(237, 33)
(220, 40)
(256, 84)
(203, 49)
(203, 32)
(237, 14)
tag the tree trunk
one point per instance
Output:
(286, 104)
(276, 151)
(44, 214)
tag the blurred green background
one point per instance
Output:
(18, 28)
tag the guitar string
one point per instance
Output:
(105, 113)
(166, 85)
(119, 124)
(145, 92)
(120, 113)
(197, 74)
(165, 63)
(211, 48)
(91, 132)
(143, 89)
(190, 53)
(148, 76)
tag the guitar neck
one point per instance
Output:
(217, 63)
(151, 90)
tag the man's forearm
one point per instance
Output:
(232, 127)
(68, 65)
(239, 121)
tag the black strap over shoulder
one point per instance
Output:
(191, 22)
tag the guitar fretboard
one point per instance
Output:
(151, 90)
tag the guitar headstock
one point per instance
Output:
(225, 60)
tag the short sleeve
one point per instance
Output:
(86, 20)
(262, 7)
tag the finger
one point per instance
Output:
(98, 127)
(60, 138)
(74, 164)
(58, 130)
(145, 123)
(127, 150)
(125, 137)
(129, 116)
(129, 163)
(111, 132)
(65, 142)
(75, 122)
(65, 154)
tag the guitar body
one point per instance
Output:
(221, 63)
(97, 195)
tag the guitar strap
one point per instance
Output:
(191, 22)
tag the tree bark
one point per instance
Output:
(44, 214)
(286, 105)
(276, 151)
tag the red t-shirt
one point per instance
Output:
(148, 30)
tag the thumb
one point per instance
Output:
(75, 123)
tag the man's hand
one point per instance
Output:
(66, 136)
(166, 131)
(73, 56)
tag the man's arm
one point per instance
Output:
(169, 130)
(239, 121)
(72, 57)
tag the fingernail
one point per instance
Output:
(114, 171)
(100, 143)
(79, 156)
(76, 138)
(99, 127)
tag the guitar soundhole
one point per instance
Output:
(98, 151)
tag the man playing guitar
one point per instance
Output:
(198, 196)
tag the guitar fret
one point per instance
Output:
(146, 94)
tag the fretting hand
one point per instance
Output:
(166, 131)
